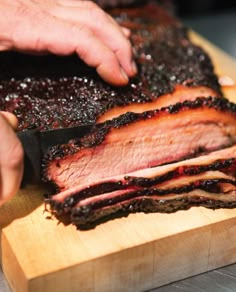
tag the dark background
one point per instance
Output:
(198, 7)
(215, 20)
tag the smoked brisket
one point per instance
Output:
(50, 92)
(138, 141)
(209, 180)
(163, 143)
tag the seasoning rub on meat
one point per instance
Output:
(164, 143)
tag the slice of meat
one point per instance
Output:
(179, 94)
(212, 193)
(218, 164)
(217, 183)
(105, 193)
(184, 180)
(138, 141)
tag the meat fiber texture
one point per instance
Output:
(172, 111)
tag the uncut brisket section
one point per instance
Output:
(50, 92)
(138, 141)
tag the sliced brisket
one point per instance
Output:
(138, 141)
(221, 160)
(171, 111)
(154, 200)
(164, 188)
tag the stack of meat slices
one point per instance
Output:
(207, 181)
(126, 165)
(163, 143)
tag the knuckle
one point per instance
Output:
(80, 30)
(84, 51)
(126, 47)
(91, 5)
(97, 14)
(111, 58)
(109, 62)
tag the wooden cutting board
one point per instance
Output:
(136, 253)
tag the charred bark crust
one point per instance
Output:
(143, 200)
(84, 219)
(224, 165)
(52, 92)
(99, 131)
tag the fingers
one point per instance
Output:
(72, 27)
(11, 160)
(95, 54)
(104, 27)
(89, 5)
(62, 37)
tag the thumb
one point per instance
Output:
(10, 118)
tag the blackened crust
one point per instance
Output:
(148, 205)
(89, 215)
(223, 165)
(52, 92)
(226, 166)
(99, 132)
(143, 200)
(209, 185)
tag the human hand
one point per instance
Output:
(64, 27)
(11, 157)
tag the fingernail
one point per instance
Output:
(134, 67)
(124, 75)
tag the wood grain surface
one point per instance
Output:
(136, 253)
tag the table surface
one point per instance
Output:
(220, 30)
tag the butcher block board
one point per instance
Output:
(136, 253)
